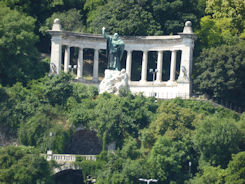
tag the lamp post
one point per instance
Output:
(153, 73)
(153, 79)
(50, 140)
(148, 180)
(189, 169)
(49, 152)
(72, 68)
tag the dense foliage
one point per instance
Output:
(18, 55)
(154, 139)
(220, 73)
(217, 23)
(23, 165)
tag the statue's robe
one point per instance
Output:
(114, 52)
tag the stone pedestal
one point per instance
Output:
(114, 81)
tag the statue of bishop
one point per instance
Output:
(114, 51)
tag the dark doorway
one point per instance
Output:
(69, 177)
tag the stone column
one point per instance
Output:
(96, 66)
(80, 64)
(129, 64)
(56, 55)
(144, 66)
(187, 53)
(186, 64)
(159, 66)
(173, 65)
(56, 48)
(67, 59)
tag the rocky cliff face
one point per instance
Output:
(84, 142)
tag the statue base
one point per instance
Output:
(113, 81)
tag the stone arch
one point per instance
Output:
(68, 175)
(84, 142)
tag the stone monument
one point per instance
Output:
(114, 51)
(177, 84)
(114, 78)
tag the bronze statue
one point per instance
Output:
(114, 51)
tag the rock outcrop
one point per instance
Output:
(114, 81)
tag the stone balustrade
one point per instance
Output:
(67, 158)
(183, 42)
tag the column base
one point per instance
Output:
(170, 82)
(79, 78)
(142, 81)
(157, 82)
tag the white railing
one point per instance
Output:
(68, 157)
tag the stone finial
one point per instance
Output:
(56, 25)
(188, 28)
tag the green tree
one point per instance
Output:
(23, 165)
(172, 120)
(169, 159)
(18, 105)
(172, 14)
(81, 113)
(71, 20)
(231, 10)
(125, 17)
(224, 23)
(241, 127)
(209, 175)
(35, 131)
(217, 139)
(219, 73)
(122, 116)
(111, 117)
(44, 8)
(18, 55)
(236, 169)
(58, 89)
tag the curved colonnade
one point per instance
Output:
(183, 42)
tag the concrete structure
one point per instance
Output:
(183, 42)
(66, 161)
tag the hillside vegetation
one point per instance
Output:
(154, 138)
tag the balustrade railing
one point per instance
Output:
(68, 157)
